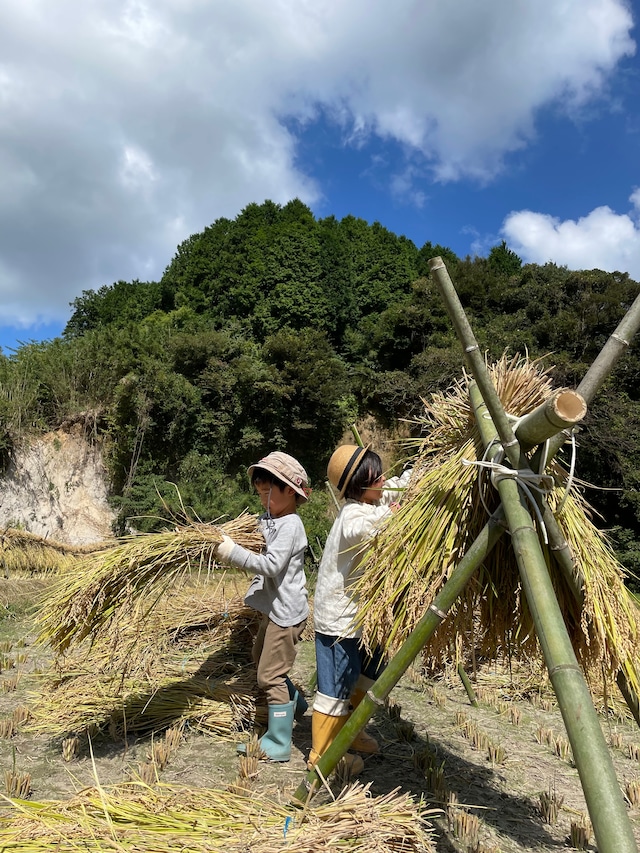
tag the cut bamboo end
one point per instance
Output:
(567, 407)
(563, 409)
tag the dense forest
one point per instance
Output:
(277, 330)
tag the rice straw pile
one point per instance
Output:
(140, 567)
(24, 552)
(444, 510)
(168, 818)
(189, 661)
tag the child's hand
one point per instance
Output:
(223, 552)
(394, 507)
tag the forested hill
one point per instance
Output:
(278, 330)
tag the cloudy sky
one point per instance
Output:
(127, 126)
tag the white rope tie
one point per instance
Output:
(528, 481)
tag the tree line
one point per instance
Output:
(278, 330)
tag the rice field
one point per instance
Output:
(498, 774)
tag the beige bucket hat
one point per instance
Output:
(285, 468)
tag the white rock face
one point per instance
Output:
(56, 488)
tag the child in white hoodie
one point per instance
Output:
(345, 671)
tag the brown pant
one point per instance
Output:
(274, 651)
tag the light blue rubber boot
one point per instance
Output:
(301, 705)
(276, 743)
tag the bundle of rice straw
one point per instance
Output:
(447, 504)
(143, 566)
(189, 661)
(168, 818)
(24, 552)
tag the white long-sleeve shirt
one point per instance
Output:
(279, 587)
(334, 607)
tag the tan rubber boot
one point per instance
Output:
(324, 729)
(363, 742)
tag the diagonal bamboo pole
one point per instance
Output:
(604, 800)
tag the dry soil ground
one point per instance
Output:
(505, 761)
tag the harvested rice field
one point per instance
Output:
(147, 761)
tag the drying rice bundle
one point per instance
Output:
(24, 552)
(99, 705)
(140, 567)
(446, 506)
(196, 621)
(169, 818)
(189, 661)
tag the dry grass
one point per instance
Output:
(136, 817)
(445, 508)
(189, 661)
(131, 577)
(24, 552)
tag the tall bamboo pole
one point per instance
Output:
(605, 803)
(607, 810)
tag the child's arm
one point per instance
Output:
(360, 522)
(278, 553)
(394, 488)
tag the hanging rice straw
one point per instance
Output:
(171, 819)
(445, 508)
(139, 567)
(23, 552)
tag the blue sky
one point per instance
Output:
(126, 126)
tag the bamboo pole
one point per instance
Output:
(466, 683)
(356, 435)
(603, 796)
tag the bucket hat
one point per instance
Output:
(343, 464)
(285, 468)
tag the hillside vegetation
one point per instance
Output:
(278, 330)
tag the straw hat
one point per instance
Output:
(343, 464)
(285, 468)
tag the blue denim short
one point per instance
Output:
(340, 662)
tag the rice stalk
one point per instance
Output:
(24, 552)
(141, 567)
(168, 818)
(580, 833)
(550, 805)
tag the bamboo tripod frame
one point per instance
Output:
(607, 810)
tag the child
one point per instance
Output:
(345, 672)
(278, 591)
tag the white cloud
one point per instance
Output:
(126, 125)
(601, 240)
